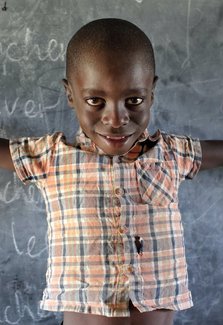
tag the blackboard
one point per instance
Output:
(188, 40)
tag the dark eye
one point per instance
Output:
(134, 101)
(95, 101)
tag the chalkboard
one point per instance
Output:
(188, 40)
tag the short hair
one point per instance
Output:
(108, 34)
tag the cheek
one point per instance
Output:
(86, 118)
(143, 118)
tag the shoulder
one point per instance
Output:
(36, 145)
(178, 142)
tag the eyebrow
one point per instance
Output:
(126, 92)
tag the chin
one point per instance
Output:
(115, 152)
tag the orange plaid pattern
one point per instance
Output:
(97, 206)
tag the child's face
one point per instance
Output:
(112, 99)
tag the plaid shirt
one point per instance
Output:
(114, 225)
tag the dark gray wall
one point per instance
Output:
(188, 40)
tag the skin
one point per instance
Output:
(112, 99)
(5, 156)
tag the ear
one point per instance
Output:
(68, 92)
(154, 86)
(155, 81)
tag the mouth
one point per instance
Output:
(115, 139)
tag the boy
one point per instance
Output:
(116, 252)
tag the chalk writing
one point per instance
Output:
(14, 190)
(30, 245)
(31, 108)
(186, 62)
(13, 315)
(22, 51)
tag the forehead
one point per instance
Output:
(112, 66)
(109, 56)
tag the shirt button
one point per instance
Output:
(130, 268)
(123, 230)
(119, 191)
(117, 202)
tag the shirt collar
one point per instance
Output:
(143, 144)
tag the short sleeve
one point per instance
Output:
(187, 153)
(32, 157)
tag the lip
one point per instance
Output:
(115, 138)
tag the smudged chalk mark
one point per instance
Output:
(186, 62)
(5, 7)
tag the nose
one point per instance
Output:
(115, 115)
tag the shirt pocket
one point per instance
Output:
(157, 182)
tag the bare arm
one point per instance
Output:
(212, 154)
(5, 156)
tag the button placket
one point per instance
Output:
(117, 198)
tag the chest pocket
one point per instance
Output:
(157, 181)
